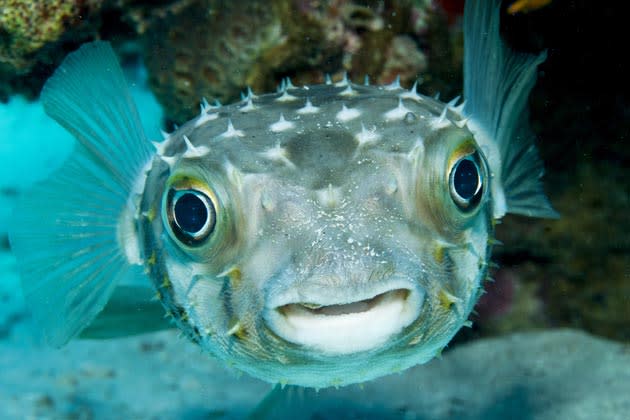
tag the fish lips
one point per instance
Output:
(330, 320)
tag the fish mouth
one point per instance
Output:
(347, 327)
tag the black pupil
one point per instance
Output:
(191, 213)
(466, 180)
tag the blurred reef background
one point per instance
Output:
(572, 273)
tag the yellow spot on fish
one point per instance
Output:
(438, 254)
(447, 300)
(166, 282)
(415, 340)
(237, 329)
(152, 259)
(235, 276)
(150, 215)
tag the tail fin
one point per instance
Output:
(497, 83)
(67, 231)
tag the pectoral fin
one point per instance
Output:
(130, 311)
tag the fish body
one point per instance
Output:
(321, 235)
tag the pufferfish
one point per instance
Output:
(320, 235)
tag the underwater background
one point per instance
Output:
(550, 339)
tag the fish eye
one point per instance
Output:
(466, 182)
(191, 215)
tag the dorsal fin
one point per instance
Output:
(497, 83)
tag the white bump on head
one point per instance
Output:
(308, 108)
(204, 117)
(288, 84)
(366, 136)
(397, 113)
(329, 197)
(277, 154)
(452, 102)
(462, 123)
(194, 151)
(160, 147)
(249, 106)
(281, 125)
(344, 81)
(235, 176)
(204, 105)
(169, 160)
(250, 94)
(348, 91)
(417, 152)
(286, 97)
(231, 131)
(393, 85)
(441, 121)
(347, 114)
(411, 93)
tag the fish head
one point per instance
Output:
(325, 244)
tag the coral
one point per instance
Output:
(27, 26)
(31, 36)
(35, 35)
(213, 49)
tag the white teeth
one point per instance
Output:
(349, 327)
(281, 125)
(347, 114)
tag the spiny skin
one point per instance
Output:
(325, 196)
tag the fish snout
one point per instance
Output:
(338, 320)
